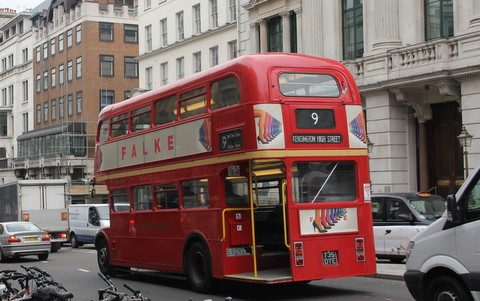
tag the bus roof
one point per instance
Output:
(258, 63)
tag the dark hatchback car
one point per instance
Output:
(397, 217)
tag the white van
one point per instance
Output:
(84, 221)
(443, 261)
(397, 217)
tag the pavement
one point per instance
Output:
(388, 270)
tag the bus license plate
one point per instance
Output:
(330, 258)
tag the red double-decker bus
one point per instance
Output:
(254, 170)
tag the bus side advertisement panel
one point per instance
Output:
(341, 220)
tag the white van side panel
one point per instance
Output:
(468, 245)
(443, 261)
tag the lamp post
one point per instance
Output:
(465, 140)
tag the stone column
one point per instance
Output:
(254, 36)
(386, 25)
(475, 20)
(298, 13)
(423, 113)
(285, 30)
(263, 35)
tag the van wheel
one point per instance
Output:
(199, 267)
(103, 259)
(74, 241)
(444, 288)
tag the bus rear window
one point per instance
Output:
(308, 85)
(103, 133)
(225, 93)
(120, 200)
(329, 181)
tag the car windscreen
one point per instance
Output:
(22, 227)
(429, 207)
(103, 213)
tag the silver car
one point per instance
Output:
(22, 239)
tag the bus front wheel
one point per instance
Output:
(199, 267)
(103, 259)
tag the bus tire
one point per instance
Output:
(445, 287)
(199, 267)
(103, 258)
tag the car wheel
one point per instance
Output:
(74, 241)
(43, 256)
(55, 247)
(3, 258)
(444, 288)
(103, 258)
(199, 267)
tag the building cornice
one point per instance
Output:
(188, 40)
(253, 3)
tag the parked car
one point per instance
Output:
(397, 217)
(23, 239)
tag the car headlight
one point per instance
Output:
(410, 246)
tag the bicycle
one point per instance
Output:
(111, 292)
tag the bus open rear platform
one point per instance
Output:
(264, 276)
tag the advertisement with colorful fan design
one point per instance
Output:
(357, 132)
(269, 126)
(328, 220)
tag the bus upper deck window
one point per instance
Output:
(103, 133)
(308, 85)
(141, 119)
(165, 110)
(225, 93)
(119, 125)
(193, 103)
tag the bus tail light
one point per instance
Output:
(299, 254)
(360, 249)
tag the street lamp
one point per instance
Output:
(465, 140)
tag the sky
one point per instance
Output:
(19, 5)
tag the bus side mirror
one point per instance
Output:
(452, 210)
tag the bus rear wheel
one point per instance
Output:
(103, 259)
(199, 267)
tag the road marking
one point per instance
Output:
(85, 271)
(86, 251)
(45, 261)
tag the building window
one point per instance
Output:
(61, 107)
(4, 64)
(25, 55)
(293, 32)
(232, 49)
(4, 97)
(148, 38)
(197, 62)
(53, 78)
(126, 94)
(69, 38)
(106, 65)
(10, 61)
(78, 31)
(25, 122)
(45, 80)
(39, 113)
(180, 67)
(53, 110)
(130, 32)
(25, 91)
(70, 105)
(10, 95)
(352, 28)
(3, 126)
(45, 111)
(275, 35)
(79, 67)
(163, 30)
(164, 73)
(79, 102)
(197, 26)
(148, 78)
(147, 4)
(52, 46)
(61, 75)
(38, 84)
(106, 31)
(60, 42)
(69, 71)
(438, 19)
(213, 56)
(213, 14)
(232, 8)
(131, 66)
(106, 98)
(45, 50)
(37, 56)
(180, 26)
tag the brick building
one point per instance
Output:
(84, 58)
